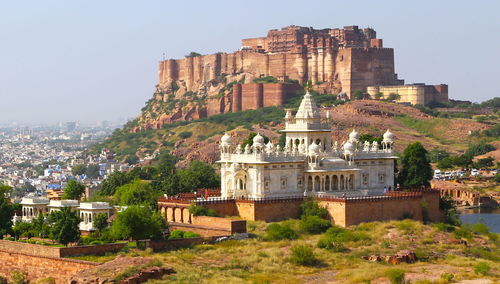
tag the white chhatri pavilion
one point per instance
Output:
(88, 211)
(311, 163)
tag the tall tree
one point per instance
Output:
(6, 211)
(198, 175)
(137, 223)
(416, 168)
(73, 190)
(137, 192)
(78, 169)
(115, 180)
(92, 171)
(64, 226)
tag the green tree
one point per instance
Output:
(446, 163)
(378, 95)
(370, 138)
(101, 222)
(416, 168)
(115, 180)
(6, 211)
(198, 175)
(393, 97)
(249, 140)
(193, 54)
(41, 226)
(73, 190)
(64, 228)
(137, 223)
(92, 171)
(23, 229)
(358, 95)
(137, 192)
(79, 169)
(484, 163)
(436, 155)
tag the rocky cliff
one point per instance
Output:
(334, 60)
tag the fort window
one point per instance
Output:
(283, 182)
(365, 178)
(381, 178)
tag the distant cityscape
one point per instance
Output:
(39, 159)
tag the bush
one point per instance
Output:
(396, 276)
(3, 280)
(276, 232)
(480, 228)
(462, 233)
(18, 277)
(303, 255)
(310, 207)
(448, 277)
(314, 225)
(335, 237)
(197, 210)
(443, 227)
(185, 134)
(482, 268)
(178, 234)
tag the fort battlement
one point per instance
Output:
(326, 56)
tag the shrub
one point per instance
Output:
(335, 237)
(448, 277)
(462, 233)
(443, 227)
(303, 255)
(310, 207)
(197, 210)
(3, 280)
(178, 234)
(406, 226)
(314, 225)
(276, 232)
(480, 228)
(18, 277)
(396, 276)
(482, 268)
(185, 134)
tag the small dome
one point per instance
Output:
(354, 135)
(348, 147)
(388, 136)
(314, 148)
(258, 139)
(226, 139)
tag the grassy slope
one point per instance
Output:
(407, 123)
(258, 261)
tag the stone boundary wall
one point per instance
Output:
(344, 211)
(40, 267)
(57, 252)
(176, 243)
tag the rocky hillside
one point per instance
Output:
(198, 139)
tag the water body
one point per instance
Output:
(490, 217)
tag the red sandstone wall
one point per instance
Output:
(38, 267)
(269, 212)
(252, 96)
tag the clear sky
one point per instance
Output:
(95, 60)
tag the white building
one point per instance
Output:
(56, 205)
(88, 212)
(311, 163)
(32, 207)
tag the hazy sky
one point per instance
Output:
(96, 60)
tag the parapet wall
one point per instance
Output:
(258, 95)
(57, 252)
(415, 94)
(342, 211)
(39, 267)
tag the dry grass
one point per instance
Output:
(258, 261)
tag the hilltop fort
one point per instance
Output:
(266, 71)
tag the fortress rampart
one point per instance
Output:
(345, 60)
